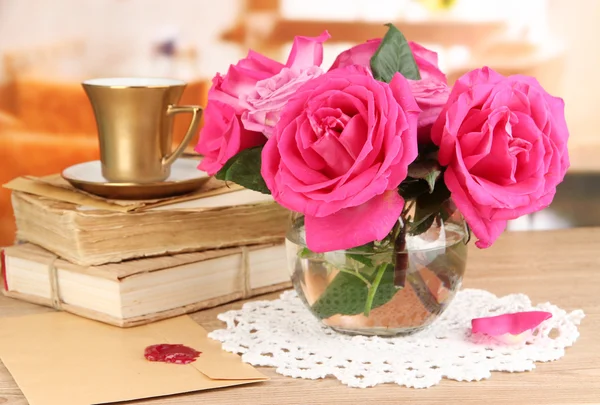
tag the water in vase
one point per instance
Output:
(378, 289)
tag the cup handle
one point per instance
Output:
(196, 115)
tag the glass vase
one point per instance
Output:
(396, 286)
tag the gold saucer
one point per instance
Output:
(184, 178)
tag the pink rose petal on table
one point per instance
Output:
(513, 324)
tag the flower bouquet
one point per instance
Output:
(387, 169)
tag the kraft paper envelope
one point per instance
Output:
(62, 359)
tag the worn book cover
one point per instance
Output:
(90, 231)
(142, 291)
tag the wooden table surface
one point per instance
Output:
(562, 267)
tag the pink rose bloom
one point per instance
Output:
(431, 92)
(237, 86)
(271, 95)
(431, 96)
(241, 79)
(223, 136)
(339, 151)
(504, 140)
(427, 62)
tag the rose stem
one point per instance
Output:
(424, 293)
(373, 288)
(401, 265)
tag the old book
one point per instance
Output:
(89, 236)
(145, 290)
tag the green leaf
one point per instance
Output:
(428, 206)
(244, 169)
(392, 56)
(431, 179)
(361, 259)
(419, 169)
(366, 248)
(348, 295)
(305, 253)
(428, 170)
(422, 223)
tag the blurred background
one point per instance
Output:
(48, 47)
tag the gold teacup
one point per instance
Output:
(135, 118)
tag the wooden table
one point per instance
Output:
(562, 267)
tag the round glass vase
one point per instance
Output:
(397, 286)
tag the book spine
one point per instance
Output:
(3, 269)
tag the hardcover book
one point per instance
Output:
(142, 291)
(88, 235)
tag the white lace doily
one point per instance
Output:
(284, 334)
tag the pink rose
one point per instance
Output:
(427, 61)
(271, 95)
(241, 79)
(357, 55)
(431, 96)
(234, 89)
(361, 54)
(223, 136)
(504, 140)
(339, 151)
(431, 92)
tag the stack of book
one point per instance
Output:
(129, 263)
